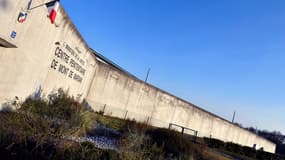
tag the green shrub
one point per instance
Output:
(62, 114)
(36, 129)
(136, 145)
(174, 144)
(214, 143)
(235, 148)
(247, 151)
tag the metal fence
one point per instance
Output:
(128, 114)
(125, 113)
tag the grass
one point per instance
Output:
(241, 152)
(36, 130)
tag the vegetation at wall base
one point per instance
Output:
(39, 129)
(275, 137)
(242, 152)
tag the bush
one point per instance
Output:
(174, 144)
(39, 126)
(247, 151)
(235, 148)
(58, 105)
(61, 113)
(136, 145)
(214, 143)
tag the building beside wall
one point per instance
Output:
(40, 50)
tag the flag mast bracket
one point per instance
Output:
(29, 8)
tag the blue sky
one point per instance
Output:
(222, 55)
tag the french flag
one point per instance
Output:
(52, 10)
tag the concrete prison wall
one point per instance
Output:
(37, 54)
(41, 55)
(123, 95)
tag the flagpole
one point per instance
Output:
(30, 3)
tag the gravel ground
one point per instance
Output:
(99, 141)
(102, 137)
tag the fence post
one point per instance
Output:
(104, 108)
(182, 130)
(169, 127)
(125, 117)
(195, 136)
(147, 120)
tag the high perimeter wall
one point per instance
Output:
(120, 94)
(39, 55)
